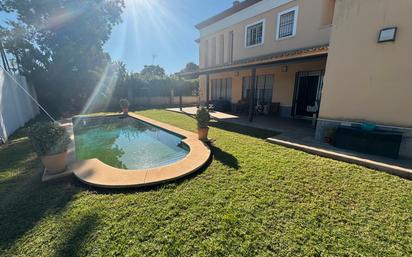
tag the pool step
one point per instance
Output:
(173, 158)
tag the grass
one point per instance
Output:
(255, 198)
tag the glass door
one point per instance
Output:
(308, 92)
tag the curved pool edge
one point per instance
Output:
(96, 173)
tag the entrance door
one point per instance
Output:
(307, 94)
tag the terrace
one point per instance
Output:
(300, 135)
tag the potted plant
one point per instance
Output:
(203, 118)
(124, 104)
(50, 141)
(329, 135)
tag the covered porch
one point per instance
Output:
(299, 129)
(300, 134)
(294, 81)
(284, 85)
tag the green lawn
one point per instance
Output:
(255, 198)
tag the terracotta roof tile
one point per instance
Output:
(266, 59)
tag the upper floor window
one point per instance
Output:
(255, 34)
(287, 22)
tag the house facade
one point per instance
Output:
(317, 59)
(260, 32)
(367, 80)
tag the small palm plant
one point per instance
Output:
(124, 104)
(203, 118)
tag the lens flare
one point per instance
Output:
(102, 93)
(153, 20)
(60, 18)
(143, 20)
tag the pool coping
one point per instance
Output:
(96, 173)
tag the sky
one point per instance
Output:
(161, 32)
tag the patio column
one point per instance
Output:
(252, 94)
(180, 94)
(207, 89)
(180, 102)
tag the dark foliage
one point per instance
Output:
(48, 138)
(58, 46)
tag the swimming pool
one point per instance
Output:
(122, 152)
(127, 143)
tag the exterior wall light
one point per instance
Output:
(284, 68)
(387, 34)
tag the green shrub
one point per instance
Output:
(124, 103)
(48, 138)
(202, 117)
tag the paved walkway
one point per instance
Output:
(192, 111)
(301, 129)
(300, 135)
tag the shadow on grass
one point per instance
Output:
(16, 152)
(24, 205)
(245, 130)
(225, 158)
(237, 128)
(24, 199)
(193, 116)
(73, 241)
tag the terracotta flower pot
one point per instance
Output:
(55, 163)
(125, 111)
(202, 133)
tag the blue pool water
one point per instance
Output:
(127, 143)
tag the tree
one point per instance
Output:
(121, 72)
(122, 75)
(59, 45)
(190, 67)
(151, 72)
